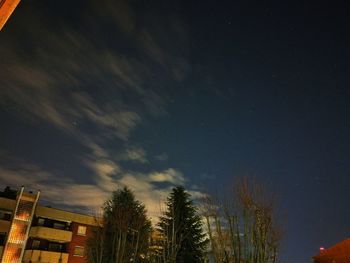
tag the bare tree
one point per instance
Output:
(241, 225)
(95, 243)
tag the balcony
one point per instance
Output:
(5, 225)
(35, 256)
(52, 234)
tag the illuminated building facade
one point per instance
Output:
(33, 233)
(6, 9)
(339, 253)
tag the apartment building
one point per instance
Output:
(30, 232)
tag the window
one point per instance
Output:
(79, 251)
(2, 238)
(81, 230)
(5, 215)
(36, 244)
(57, 225)
(41, 221)
(55, 247)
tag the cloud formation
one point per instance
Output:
(134, 154)
(65, 192)
(87, 86)
(170, 176)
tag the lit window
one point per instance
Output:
(79, 251)
(81, 230)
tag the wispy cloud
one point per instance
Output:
(106, 172)
(90, 88)
(114, 121)
(57, 82)
(162, 157)
(134, 154)
(64, 192)
(55, 189)
(60, 190)
(170, 176)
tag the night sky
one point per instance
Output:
(152, 94)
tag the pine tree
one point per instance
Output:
(181, 228)
(123, 234)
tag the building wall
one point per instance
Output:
(7, 204)
(5, 226)
(78, 240)
(44, 256)
(339, 253)
(49, 212)
(68, 237)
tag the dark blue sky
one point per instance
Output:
(94, 94)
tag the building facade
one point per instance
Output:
(339, 253)
(30, 232)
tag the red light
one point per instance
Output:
(322, 248)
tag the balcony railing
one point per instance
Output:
(51, 234)
(35, 256)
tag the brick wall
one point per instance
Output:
(78, 240)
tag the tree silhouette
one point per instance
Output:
(181, 229)
(123, 231)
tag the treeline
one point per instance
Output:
(235, 227)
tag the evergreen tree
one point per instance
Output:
(124, 231)
(181, 228)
